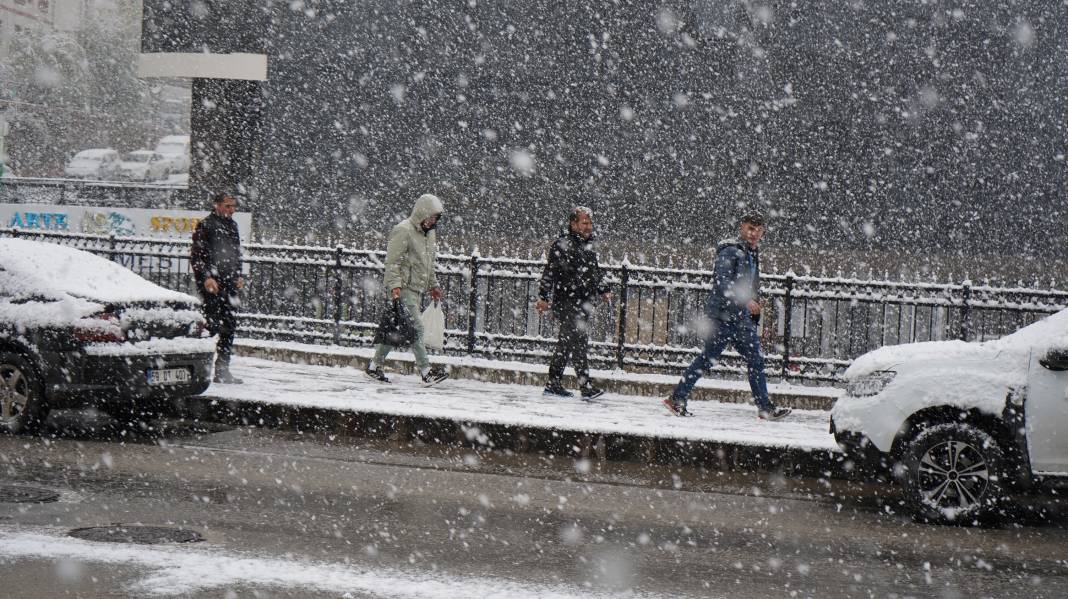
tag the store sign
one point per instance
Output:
(122, 222)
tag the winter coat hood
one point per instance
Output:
(426, 206)
(738, 243)
(411, 252)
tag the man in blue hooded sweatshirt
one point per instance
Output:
(732, 311)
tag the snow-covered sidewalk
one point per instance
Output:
(347, 389)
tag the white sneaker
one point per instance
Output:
(775, 413)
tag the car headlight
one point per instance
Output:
(870, 384)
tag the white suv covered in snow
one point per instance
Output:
(962, 424)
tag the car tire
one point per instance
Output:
(954, 475)
(22, 406)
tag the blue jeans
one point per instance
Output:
(743, 335)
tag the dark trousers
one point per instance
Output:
(743, 335)
(221, 321)
(572, 344)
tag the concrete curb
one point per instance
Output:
(518, 439)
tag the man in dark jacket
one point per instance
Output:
(732, 310)
(216, 261)
(570, 284)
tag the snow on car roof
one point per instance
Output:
(38, 268)
(1048, 332)
(93, 153)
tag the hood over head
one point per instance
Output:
(426, 206)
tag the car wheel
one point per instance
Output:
(21, 401)
(953, 474)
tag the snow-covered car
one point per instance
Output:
(175, 149)
(144, 165)
(962, 425)
(100, 163)
(77, 330)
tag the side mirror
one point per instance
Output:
(1055, 359)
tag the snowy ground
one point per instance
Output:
(342, 388)
(184, 569)
(312, 352)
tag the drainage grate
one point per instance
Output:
(141, 535)
(13, 494)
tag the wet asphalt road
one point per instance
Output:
(451, 517)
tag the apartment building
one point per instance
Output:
(52, 15)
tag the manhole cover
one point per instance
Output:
(142, 535)
(12, 494)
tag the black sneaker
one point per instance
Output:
(376, 374)
(434, 376)
(774, 413)
(590, 393)
(224, 377)
(677, 408)
(556, 390)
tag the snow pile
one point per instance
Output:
(43, 284)
(169, 317)
(1051, 331)
(886, 358)
(32, 268)
(181, 345)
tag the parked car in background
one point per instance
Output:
(100, 163)
(962, 425)
(78, 330)
(144, 165)
(175, 148)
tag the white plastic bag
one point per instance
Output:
(433, 326)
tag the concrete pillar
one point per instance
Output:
(226, 138)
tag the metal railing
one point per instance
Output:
(86, 192)
(812, 327)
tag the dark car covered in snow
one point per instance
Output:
(77, 330)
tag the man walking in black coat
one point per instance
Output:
(216, 261)
(570, 284)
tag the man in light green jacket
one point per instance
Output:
(410, 256)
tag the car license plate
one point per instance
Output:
(168, 376)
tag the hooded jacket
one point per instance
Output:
(736, 280)
(572, 277)
(411, 252)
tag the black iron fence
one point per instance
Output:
(812, 327)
